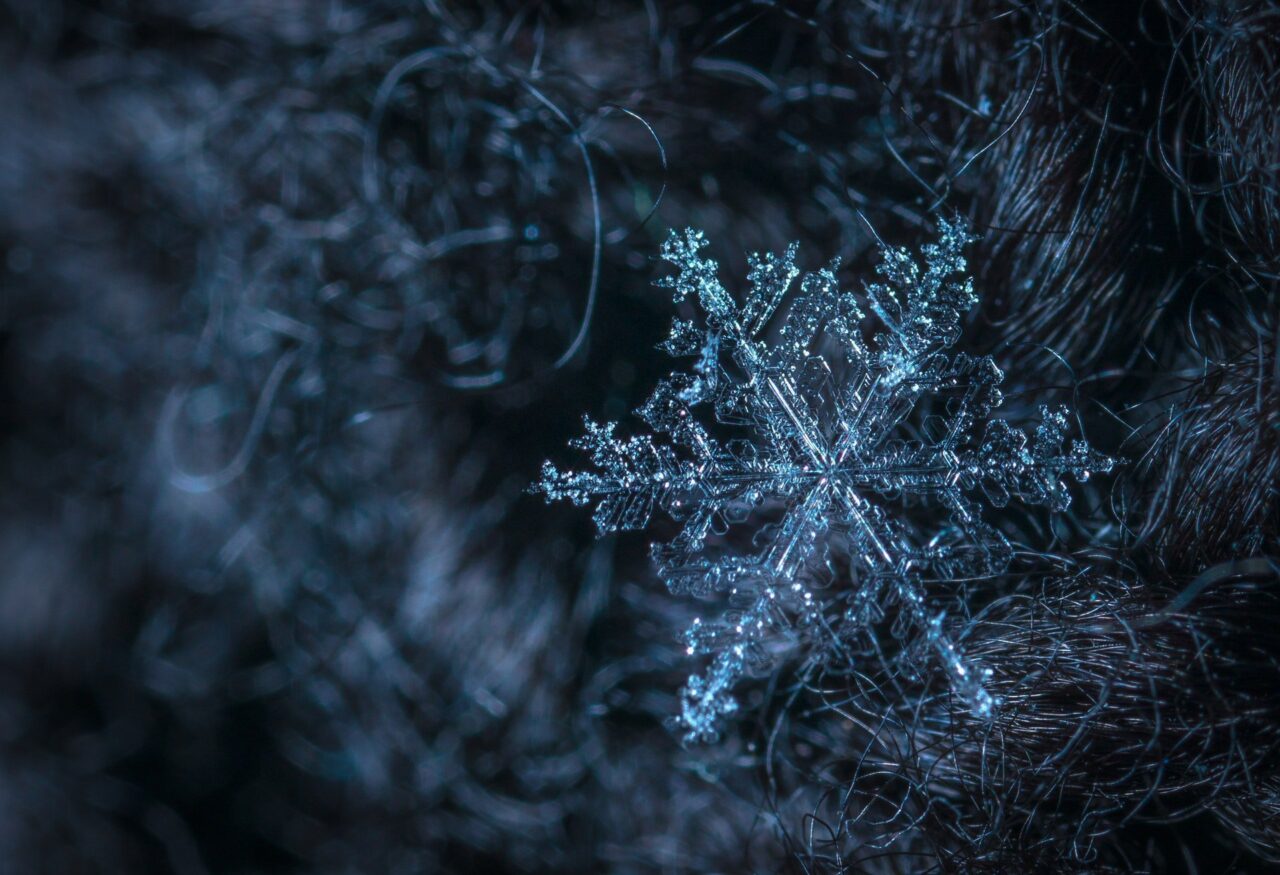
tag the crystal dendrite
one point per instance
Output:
(784, 450)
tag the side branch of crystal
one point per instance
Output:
(826, 445)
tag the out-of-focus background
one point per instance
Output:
(293, 304)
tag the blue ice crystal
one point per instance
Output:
(785, 450)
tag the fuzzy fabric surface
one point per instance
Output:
(296, 297)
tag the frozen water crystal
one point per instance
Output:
(786, 448)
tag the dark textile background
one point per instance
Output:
(292, 301)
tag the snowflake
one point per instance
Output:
(784, 493)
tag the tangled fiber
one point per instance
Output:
(295, 296)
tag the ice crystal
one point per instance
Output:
(785, 450)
